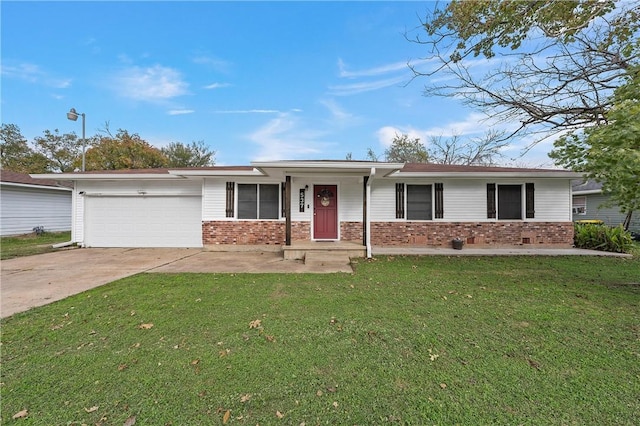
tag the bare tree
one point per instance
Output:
(552, 65)
(482, 151)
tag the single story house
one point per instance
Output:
(27, 203)
(282, 203)
(589, 204)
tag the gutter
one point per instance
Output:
(367, 225)
(60, 245)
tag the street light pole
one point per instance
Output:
(73, 116)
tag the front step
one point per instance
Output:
(326, 258)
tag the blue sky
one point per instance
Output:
(253, 80)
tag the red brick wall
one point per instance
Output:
(252, 232)
(351, 231)
(473, 233)
(396, 233)
(243, 232)
(300, 231)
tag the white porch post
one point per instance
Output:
(368, 203)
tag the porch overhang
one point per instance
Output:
(334, 168)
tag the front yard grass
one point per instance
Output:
(30, 244)
(406, 340)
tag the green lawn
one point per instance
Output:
(405, 340)
(30, 244)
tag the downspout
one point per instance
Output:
(368, 209)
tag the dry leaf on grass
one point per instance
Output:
(226, 416)
(255, 323)
(443, 385)
(92, 409)
(279, 414)
(130, 421)
(21, 414)
(245, 398)
(145, 326)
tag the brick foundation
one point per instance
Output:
(351, 231)
(261, 232)
(243, 232)
(472, 233)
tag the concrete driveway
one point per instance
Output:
(38, 280)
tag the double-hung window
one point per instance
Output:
(509, 202)
(580, 205)
(417, 202)
(258, 201)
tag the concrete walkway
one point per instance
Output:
(515, 251)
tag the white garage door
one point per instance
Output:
(167, 221)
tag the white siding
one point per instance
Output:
(23, 208)
(383, 201)
(214, 196)
(465, 200)
(350, 201)
(553, 200)
(296, 185)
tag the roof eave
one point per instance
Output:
(26, 185)
(103, 176)
(205, 173)
(543, 174)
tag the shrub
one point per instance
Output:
(604, 238)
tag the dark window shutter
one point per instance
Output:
(399, 200)
(230, 198)
(529, 201)
(439, 191)
(491, 200)
(283, 197)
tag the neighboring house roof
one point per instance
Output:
(7, 177)
(582, 187)
(273, 168)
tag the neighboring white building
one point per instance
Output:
(590, 203)
(26, 203)
(283, 202)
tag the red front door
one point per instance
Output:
(325, 212)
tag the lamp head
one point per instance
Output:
(72, 114)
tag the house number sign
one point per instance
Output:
(301, 200)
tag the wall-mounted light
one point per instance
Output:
(306, 187)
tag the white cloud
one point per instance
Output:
(286, 137)
(380, 70)
(217, 85)
(32, 73)
(213, 62)
(24, 71)
(150, 84)
(337, 112)
(355, 88)
(248, 111)
(180, 111)
(473, 125)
